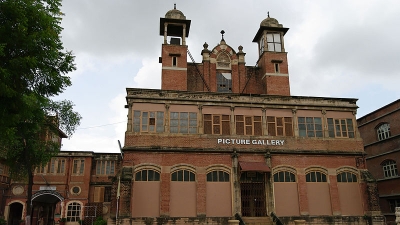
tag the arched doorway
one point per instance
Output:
(15, 213)
(45, 206)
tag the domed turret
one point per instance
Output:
(175, 14)
(270, 22)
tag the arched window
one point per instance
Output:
(217, 176)
(389, 168)
(74, 212)
(315, 176)
(284, 176)
(223, 61)
(183, 175)
(346, 177)
(147, 175)
(383, 131)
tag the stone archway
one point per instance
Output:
(45, 207)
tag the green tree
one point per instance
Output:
(33, 69)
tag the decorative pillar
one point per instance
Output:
(295, 123)
(166, 119)
(397, 215)
(236, 185)
(129, 127)
(232, 121)
(200, 128)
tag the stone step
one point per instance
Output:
(258, 220)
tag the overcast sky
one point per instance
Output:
(346, 49)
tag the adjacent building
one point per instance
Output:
(380, 131)
(223, 140)
(74, 185)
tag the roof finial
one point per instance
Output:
(268, 14)
(175, 6)
(222, 32)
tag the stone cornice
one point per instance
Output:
(240, 100)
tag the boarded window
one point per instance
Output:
(248, 125)
(279, 126)
(217, 124)
(144, 121)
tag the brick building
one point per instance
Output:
(380, 131)
(223, 140)
(73, 185)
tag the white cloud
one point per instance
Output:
(149, 76)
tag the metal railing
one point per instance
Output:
(276, 219)
(197, 70)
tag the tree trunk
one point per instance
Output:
(29, 197)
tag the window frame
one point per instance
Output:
(389, 168)
(140, 174)
(310, 126)
(217, 176)
(78, 168)
(138, 121)
(177, 177)
(284, 176)
(190, 120)
(223, 124)
(248, 122)
(274, 125)
(57, 166)
(77, 208)
(272, 44)
(105, 167)
(333, 126)
(383, 131)
(222, 80)
(315, 179)
(346, 177)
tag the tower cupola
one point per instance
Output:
(270, 36)
(176, 26)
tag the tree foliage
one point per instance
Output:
(33, 69)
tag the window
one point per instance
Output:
(144, 121)
(57, 166)
(217, 176)
(279, 126)
(341, 128)
(174, 61)
(383, 131)
(248, 125)
(147, 175)
(261, 45)
(284, 176)
(183, 175)
(310, 126)
(276, 66)
(390, 168)
(217, 124)
(42, 169)
(105, 167)
(224, 82)
(274, 42)
(346, 177)
(74, 212)
(78, 167)
(107, 194)
(315, 176)
(183, 122)
(393, 203)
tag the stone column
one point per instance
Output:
(184, 35)
(397, 215)
(236, 185)
(295, 123)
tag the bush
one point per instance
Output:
(100, 221)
